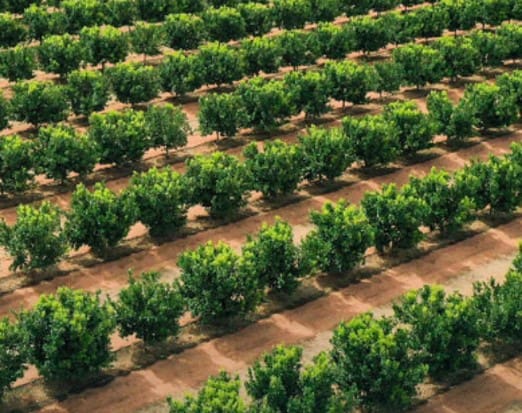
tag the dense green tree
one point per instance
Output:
(17, 63)
(389, 77)
(264, 168)
(224, 24)
(61, 54)
(38, 102)
(177, 73)
(325, 153)
(120, 12)
(357, 7)
(333, 41)
(12, 355)
(443, 326)
(378, 361)
(431, 21)
(369, 34)
(41, 22)
(340, 239)
(261, 54)
(68, 334)
(134, 82)
(220, 113)
(147, 39)
(291, 14)
(167, 126)
(155, 10)
(492, 49)
(99, 219)
(148, 308)
(258, 18)
(299, 48)
(184, 31)
(104, 45)
(161, 200)
(16, 164)
(218, 64)
(218, 182)
(324, 10)
(511, 84)
(13, 30)
(462, 14)
(274, 258)
(460, 56)
(61, 150)
(36, 240)
(217, 283)
(88, 91)
(421, 64)
(395, 216)
(349, 82)
(308, 92)
(82, 13)
(512, 35)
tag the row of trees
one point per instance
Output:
(376, 364)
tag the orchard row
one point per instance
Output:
(68, 335)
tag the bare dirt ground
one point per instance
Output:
(310, 323)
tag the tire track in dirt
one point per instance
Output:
(235, 352)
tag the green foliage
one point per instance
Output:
(61, 150)
(5, 108)
(61, 54)
(462, 14)
(395, 217)
(349, 82)
(512, 34)
(68, 334)
(291, 14)
(308, 92)
(389, 77)
(324, 10)
(443, 326)
(133, 82)
(12, 355)
(218, 64)
(460, 56)
(369, 34)
(453, 121)
(167, 126)
(184, 31)
(217, 283)
(177, 74)
(448, 208)
(220, 394)
(161, 199)
(265, 104)
(120, 12)
(371, 139)
(265, 168)
(377, 360)
(431, 21)
(104, 44)
(99, 219)
(148, 308)
(146, 38)
(13, 31)
(511, 84)
(16, 164)
(298, 47)
(261, 54)
(258, 18)
(155, 10)
(340, 240)
(36, 240)
(274, 257)
(333, 41)
(325, 153)
(39, 102)
(420, 64)
(489, 106)
(220, 113)
(415, 129)
(17, 63)
(122, 137)
(224, 24)
(492, 49)
(218, 182)
(41, 22)
(88, 91)
(82, 13)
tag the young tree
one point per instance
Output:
(122, 137)
(216, 283)
(308, 92)
(88, 91)
(220, 113)
(420, 64)
(349, 82)
(220, 394)
(68, 334)
(264, 168)
(274, 258)
(291, 14)
(389, 77)
(61, 150)
(146, 39)
(377, 361)
(13, 30)
(36, 240)
(184, 31)
(444, 327)
(148, 308)
(415, 129)
(265, 104)
(134, 83)
(395, 216)
(460, 56)
(99, 219)
(261, 54)
(16, 164)
(340, 239)
(13, 355)
(219, 64)
(104, 45)
(371, 139)
(167, 126)
(218, 182)
(161, 198)
(299, 48)
(61, 54)
(325, 153)
(258, 18)
(489, 106)
(17, 63)
(178, 74)
(38, 102)
(224, 24)
(82, 13)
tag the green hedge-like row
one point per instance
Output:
(67, 335)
